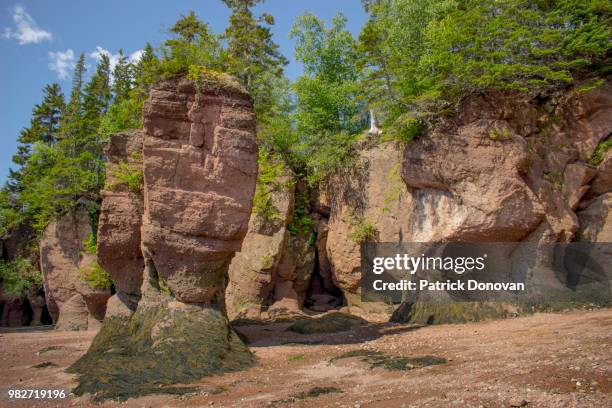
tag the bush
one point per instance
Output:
(96, 277)
(362, 229)
(600, 152)
(91, 246)
(19, 277)
(129, 175)
(269, 180)
(123, 115)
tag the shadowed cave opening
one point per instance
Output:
(322, 294)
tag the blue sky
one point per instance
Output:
(40, 39)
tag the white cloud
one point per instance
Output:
(62, 62)
(136, 56)
(27, 31)
(114, 58)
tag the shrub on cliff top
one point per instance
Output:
(422, 56)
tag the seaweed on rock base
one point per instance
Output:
(158, 349)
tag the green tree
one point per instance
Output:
(96, 99)
(144, 69)
(420, 57)
(122, 78)
(329, 113)
(44, 124)
(71, 119)
(194, 44)
(252, 56)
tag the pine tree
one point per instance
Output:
(144, 70)
(44, 125)
(122, 78)
(71, 119)
(96, 97)
(252, 55)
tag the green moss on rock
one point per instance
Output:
(378, 359)
(329, 323)
(157, 349)
(448, 312)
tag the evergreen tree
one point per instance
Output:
(252, 56)
(194, 44)
(44, 124)
(96, 97)
(122, 78)
(71, 119)
(144, 69)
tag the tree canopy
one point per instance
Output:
(412, 60)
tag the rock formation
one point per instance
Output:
(252, 271)
(282, 267)
(200, 167)
(120, 220)
(371, 195)
(504, 168)
(72, 303)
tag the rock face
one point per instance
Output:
(119, 237)
(63, 259)
(596, 220)
(371, 194)
(504, 168)
(282, 267)
(200, 167)
(252, 271)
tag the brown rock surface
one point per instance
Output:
(596, 220)
(602, 183)
(200, 167)
(372, 193)
(504, 168)
(119, 251)
(12, 313)
(253, 270)
(62, 258)
(37, 303)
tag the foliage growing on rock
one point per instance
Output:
(362, 229)
(19, 277)
(601, 151)
(96, 277)
(271, 177)
(301, 221)
(128, 175)
(421, 57)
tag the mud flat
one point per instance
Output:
(544, 360)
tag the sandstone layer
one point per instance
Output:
(200, 167)
(63, 261)
(503, 168)
(120, 221)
